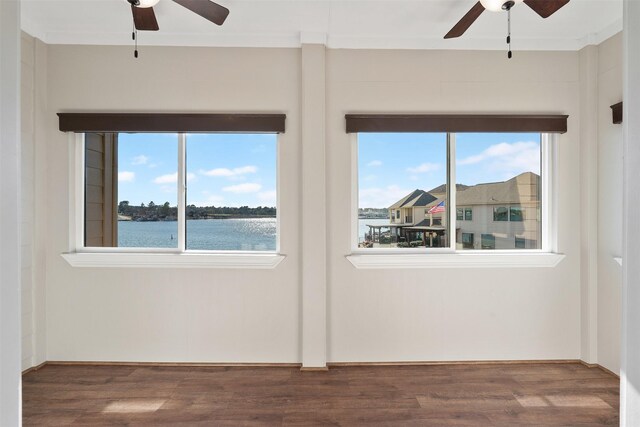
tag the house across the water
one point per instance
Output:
(497, 215)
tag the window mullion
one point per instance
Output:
(182, 192)
(547, 194)
(451, 185)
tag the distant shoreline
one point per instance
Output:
(124, 219)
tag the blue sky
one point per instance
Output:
(222, 169)
(240, 169)
(390, 166)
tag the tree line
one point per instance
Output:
(166, 212)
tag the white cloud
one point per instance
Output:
(166, 179)
(172, 178)
(381, 197)
(268, 198)
(511, 159)
(125, 176)
(140, 160)
(243, 188)
(424, 168)
(228, 173)
(374, 163)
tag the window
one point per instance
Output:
(231, 192)
(498, 191)
(464, 214)
(467, 240)
(403, 172)
(180, 192)
(520, 243)
(501, 214)
(516, 214)
(500, 174)
(488, 241)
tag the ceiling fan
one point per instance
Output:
(544, 8)
(144, 18)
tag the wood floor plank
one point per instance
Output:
(440, 395)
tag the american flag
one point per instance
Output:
(439, 208)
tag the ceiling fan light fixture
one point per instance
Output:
(146, 3)
(496, 5)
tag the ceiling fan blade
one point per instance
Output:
(207, 9)
(144, 18)
(545, 8)
(466, 21)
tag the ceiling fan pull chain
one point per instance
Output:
(509, 54)
(135, 39)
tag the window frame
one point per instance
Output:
(548, 155)
(78, 255)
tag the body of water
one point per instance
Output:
(363, 229)
(251, 234)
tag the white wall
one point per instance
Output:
(609, 204)
(10, 242)
(255, 316)
(180, 315)
(449, 314)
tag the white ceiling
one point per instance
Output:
(399, 24)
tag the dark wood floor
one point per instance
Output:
(454, 395)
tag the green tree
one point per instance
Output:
(123, 206)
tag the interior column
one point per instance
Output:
(10, 218)
(314, 222)
(588, 58)
(630, 367)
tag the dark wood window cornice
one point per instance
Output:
(168, 122)
(616, 111)
(455, 123)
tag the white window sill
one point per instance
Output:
(173, 260)
(455, 260)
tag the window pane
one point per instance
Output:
(501, 213)
(402, 180)
(231, 192)
(499, 188)
(467, 240)
(488, 241)
(516, 214)
(131, 190)
(459, 214)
